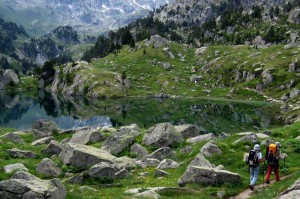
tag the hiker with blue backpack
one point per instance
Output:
(253, 160)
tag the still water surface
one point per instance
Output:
(22, 110)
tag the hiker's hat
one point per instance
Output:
(256, 147)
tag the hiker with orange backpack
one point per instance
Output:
(273, 156)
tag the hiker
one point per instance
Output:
(273, 161)
(253, 160)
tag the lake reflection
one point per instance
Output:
(21, 111)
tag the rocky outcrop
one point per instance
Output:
(209, 149)
(25, 185)
(292, 192)
(44, 128)
(201, 138)
(119, 141)
(14, 167)
(83, 157)
(294, 16)
(8, 77)
(162, 135)
(157, 42)
(87, 135)
(48, 168)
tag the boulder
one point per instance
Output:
(123, 173)
(157, 41)
(294, 93)
(162, 135)
(83, 157)
(187, 149)
(25, 185)
(102, 171)
(77, 179)
(14, 167)
(201, 138)
(162, 153)
(195, 78)
(125, 162)
(45, 140)
(294, 16)
(200, 161)
(149, 194)
(210, 148)
(14, 137)
(210, 176)
(44, 128)
(188, 130)
(292, 192)
(252, 138)
(267, 77)
(200, 51)
(9, 77)
(138, 150)
(16, 153)
(161, 173)
(119, 141)
(134, 127)
(148, 162)
(53, 147)
(86, 135)
(167, 164)
(48, 168)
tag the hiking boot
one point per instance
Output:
(251, 187)
(268, 182)
(277, 180)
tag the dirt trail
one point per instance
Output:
(247, 193)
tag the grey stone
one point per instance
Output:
(125, 162)
(14, 137)
(294, 93)
(201, 138)
(157, 41)
(294, 16)
(45, 140)
(77, 179)
(83, 157)
(149, 194)
(123, 173)
(86, 135)
(210, 148)
(252, 138)
(187, 149)
(24, 185)
(16, 153)
(119, 141)
(167, 164)
(103, 171)
(267, 77)
(161, 173)
(148, 162)
(224, 135)
(14, 167)
(48, 168)
(9, 76)
(188, 130)
(138, 150)
(161, 135)
(53, 147)
(44, 128)
(220, 167)
(292, 192)
(65, 141)
(162, 153)
(200, 51)
(133, 127)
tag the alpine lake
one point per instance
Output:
(21, 110)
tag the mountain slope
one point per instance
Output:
(88, 16)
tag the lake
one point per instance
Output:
(21, 110)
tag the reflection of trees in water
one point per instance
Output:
(47, 102)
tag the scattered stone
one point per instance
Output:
(167, 164)
(161, 173)
(292, 192)
(48, 168)
(201, 138)
(188, 130)
(162, 153)
(86, 135)
(187, 149)
(83, 157)
(53, 147)
(102, 171)
(16, 153)
(148, 162)
(125, 162)
(138, 150)
(44, 128)
(252, 138)
(262, 136)
(162, 135)
(14, 167)
(200, 51)
(150, 194)
(77, 179)
(45, 140)
(123, 173)
(157, 41)
(267, 77)
(107, 129)
(14, 137)
(210, 148)
(25, 185)
(294, 16)
(144, 174)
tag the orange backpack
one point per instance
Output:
(272, 154)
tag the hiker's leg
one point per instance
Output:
(268, 173)
(276, 171)
(255, 175)
(251, 174)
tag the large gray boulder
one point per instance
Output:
(162, 153)
(267, 77)
(14, 137)
(210, 176)
(252, 138)
(188, 130)
(148, 162)
(161, 135)
(294, 16)
(210, 148)
(293, 192)
(44, 128)
(157, 41)
(48, 168)
(83, 157)
(102, 171)
(188, 175)
(167, 164)
(45, 140)
(14, 167)
(138, 150)
(87, 135)
(23, 185)
(119, 141)
(53, 147)
(125, 162)
(16, 153)
(201, 138)
(9, 77)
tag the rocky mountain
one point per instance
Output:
(88, 16)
